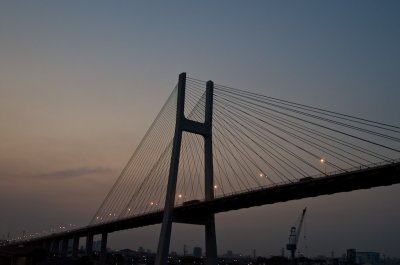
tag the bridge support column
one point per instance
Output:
(211, 239)
(52, 246)
(56, 246)
(89, 244)
(211, 242)
(75, 246)
(204, 129)
(103, 250)
(64, 247)
(47, 245)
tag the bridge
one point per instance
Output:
(214, 148)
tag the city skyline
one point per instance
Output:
(81, 83)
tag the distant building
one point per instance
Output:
(372, 258)
(127, 252)
(197, 252)
(97, 245)
(351, 256)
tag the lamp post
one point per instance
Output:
(323, 161)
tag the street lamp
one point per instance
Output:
(323, 161)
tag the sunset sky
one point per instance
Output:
(81, 81)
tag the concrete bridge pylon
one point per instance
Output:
(205, 129)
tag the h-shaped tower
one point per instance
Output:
(205, 129)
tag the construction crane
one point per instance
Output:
(294, 237)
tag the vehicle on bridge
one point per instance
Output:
(190, 202)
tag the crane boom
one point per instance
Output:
(300, 225)
(294, 237)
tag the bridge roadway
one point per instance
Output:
(383, 175)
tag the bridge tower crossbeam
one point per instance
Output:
(205, 129)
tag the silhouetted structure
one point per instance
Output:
(351, 256)
(228, 149)
(197, 252)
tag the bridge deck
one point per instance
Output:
(384, 175)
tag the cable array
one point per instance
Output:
(145, 172)
(258, 141)
(281, 141)
(141, 187)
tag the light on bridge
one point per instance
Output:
(323, 161)
(262, 175)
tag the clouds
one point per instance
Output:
(63, 174)
(73, 173)
(51, 196)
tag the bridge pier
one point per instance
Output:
(64, 247)
(47, 245)
(211, 242)
(103, 249)
(75, 246)
(89, 244)
(204, 129)
(55, 246)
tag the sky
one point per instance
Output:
(81, 81)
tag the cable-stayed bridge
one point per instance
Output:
(214, 148)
